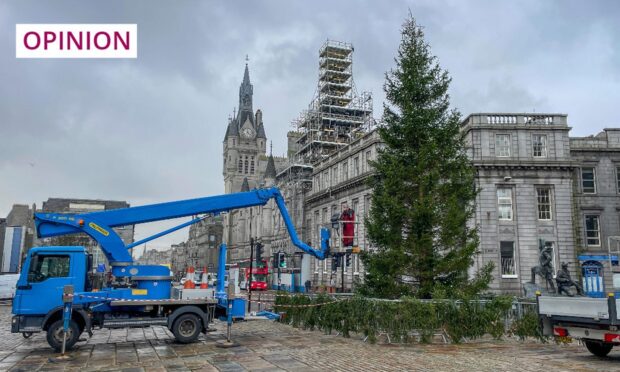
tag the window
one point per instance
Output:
(43, 267)
(345, 171)
(588, 180)
(543, 195)
(504, 203)
(315, 228)
(318, 182)
(539, 145)
(335, 175)
(508, 261)
(502, 145)
(326, 178)
(356, 166)
(618, 178)
(252, 165)
(240, 166)
(245, 166)
(593, 232)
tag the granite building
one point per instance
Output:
(596, 208)
(17, 233)
(340, 182)
(524, 179)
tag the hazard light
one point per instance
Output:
(612, 337)
(560, 332)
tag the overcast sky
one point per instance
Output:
(151, 129)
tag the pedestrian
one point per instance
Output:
(308, 284)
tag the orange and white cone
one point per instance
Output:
(204, 284)
(189, 279)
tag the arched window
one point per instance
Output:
(240, 166)
(245, 168)
(252, 165)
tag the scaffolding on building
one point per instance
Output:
(337, 115)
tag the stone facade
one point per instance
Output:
(524, 180)
(597, 203)
(155, 257)
(20, 216)
(201, 249)
(337, 182)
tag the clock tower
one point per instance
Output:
(244, 142)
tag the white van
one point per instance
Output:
(7, 285)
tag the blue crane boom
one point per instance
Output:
(98, 225)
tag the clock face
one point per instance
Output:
(247, 132)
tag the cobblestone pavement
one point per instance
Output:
(269, 346)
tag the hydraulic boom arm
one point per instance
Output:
(98, 225)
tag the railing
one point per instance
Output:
(508, 266)
(531, 119)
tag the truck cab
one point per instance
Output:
(38, 296)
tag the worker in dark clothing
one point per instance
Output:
(308, 284)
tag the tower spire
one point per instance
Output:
(246, 90)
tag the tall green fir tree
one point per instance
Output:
(423, 188)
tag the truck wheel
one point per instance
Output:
(186, 328)
(55, 335)
(598, 348)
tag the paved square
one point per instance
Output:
(270, 346)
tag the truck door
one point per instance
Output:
(41, 290)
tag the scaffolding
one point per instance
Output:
(337, 115)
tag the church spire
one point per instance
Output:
(270, 171)
(246, 90)
(246, 74)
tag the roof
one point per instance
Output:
(232, 129)
(59, 205)
(20, 215)
(270, 171)
(261, 131)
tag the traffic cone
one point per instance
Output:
(189, 282)
(204, 284)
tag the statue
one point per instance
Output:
(545, 267)
(565, 282)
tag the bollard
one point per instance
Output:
(229, 307)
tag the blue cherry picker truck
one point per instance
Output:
(136, 295)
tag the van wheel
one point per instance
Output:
(187, 328)
(598, 348)
(55, 335)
